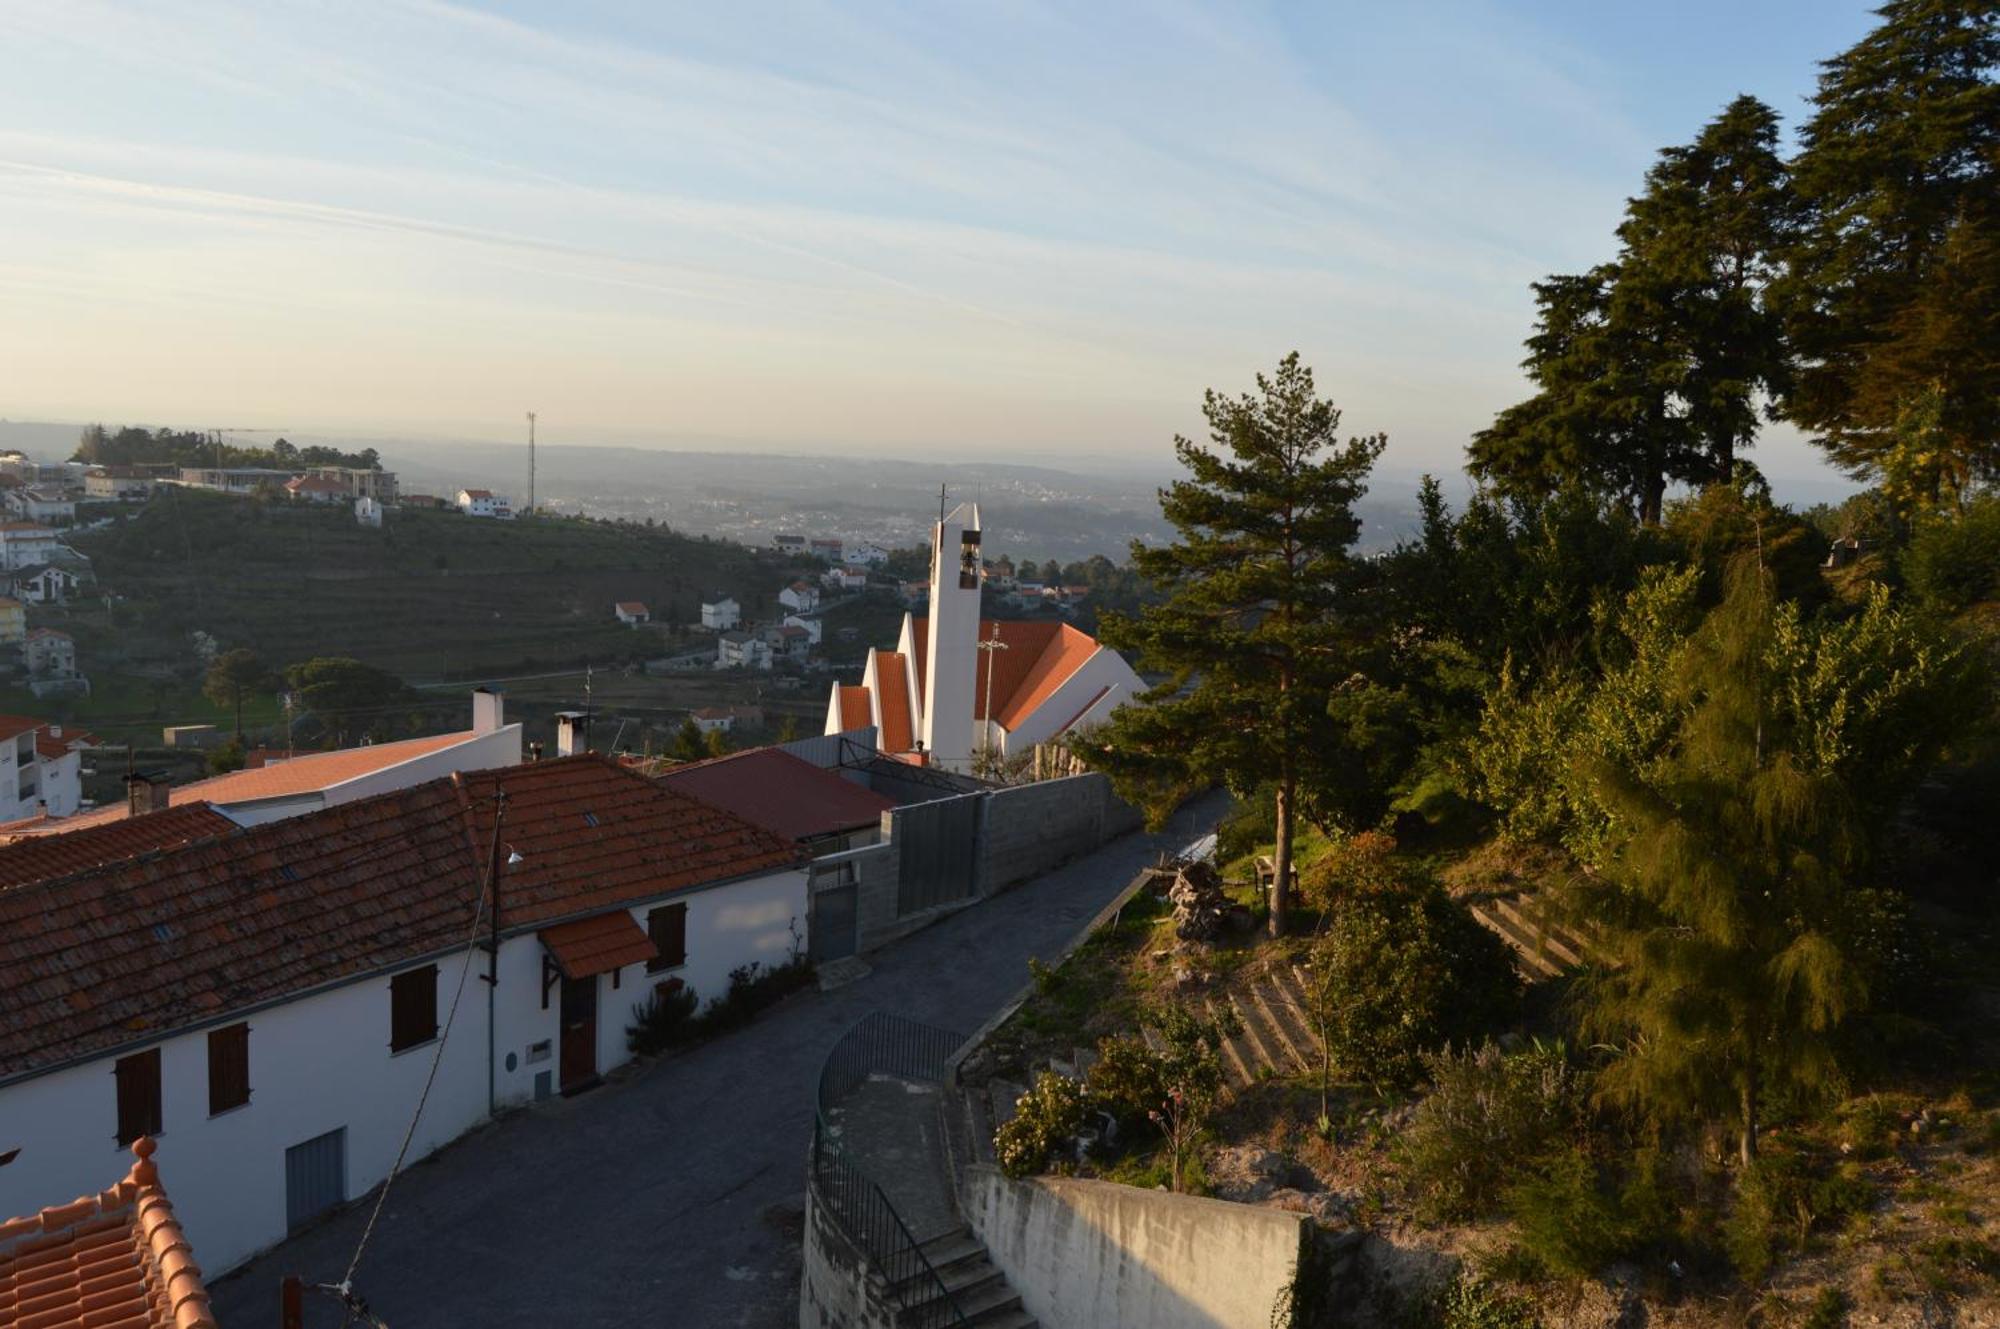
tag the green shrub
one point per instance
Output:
(1486, 1116)
(1953, 563)
(1044, 1120)
(1128, 1080)
(1413, 971)
(1568, 1221)
(1780, 1200)
(662, 1020)
(1470, 1302)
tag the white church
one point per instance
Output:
(957, 684)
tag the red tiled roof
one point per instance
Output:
(39, 857)
(478, 493)
(317, 484)
(780, 792)
(855, 712)
(115, 1260)
(1041, 654)
(898, 732)
(13, 726)
(592, 946)
(57, 745)
(134, 950)
(632, 606)
(310, 771)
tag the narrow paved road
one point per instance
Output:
(675, 1196)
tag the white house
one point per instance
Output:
(25, 544)
(50, 655)
(828, 549)
(359, 481)
(368, 512)
(41, 768)
(789, 544)
(484, 503)
(39, 504)
(713, 719)
(125, 484)
(45, 585)
(800, 597)
(315, 489)
(957, 684)
(864, 556)
(721, 614)
(235, 479)
(276, 997)
(741, 650)
(632, 613)
(810, 626)
(844, 579)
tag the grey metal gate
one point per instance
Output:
(315, 1177)
(940, 846)
(833, 923)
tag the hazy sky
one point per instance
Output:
(1041, 228)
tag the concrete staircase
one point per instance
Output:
(1542, 948)
(974, 1283)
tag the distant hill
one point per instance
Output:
(430, 595)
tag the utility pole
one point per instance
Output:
(531, 463)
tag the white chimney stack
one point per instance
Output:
(569, 733)
(488, 710)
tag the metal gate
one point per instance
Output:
(833, 923)
(315, 1177)
(940, 845)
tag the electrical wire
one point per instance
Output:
(345, 1287)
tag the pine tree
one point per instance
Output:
(1701, 248)
(1250, 631)
(1899, 171)
(1725, 901)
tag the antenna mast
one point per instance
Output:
(531, 463)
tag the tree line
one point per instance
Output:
(131, 445)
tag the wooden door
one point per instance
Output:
(579, 1033)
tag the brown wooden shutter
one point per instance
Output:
(228, 1068)
(667, 927)
(413, 1008)
(138, 1095)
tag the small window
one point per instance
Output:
(667, 926)
(413, 1008)
(228, 1068)
(138, 1095)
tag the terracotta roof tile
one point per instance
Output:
(855, 712)
(32, 858)
(117, 1260)
(898, 730)
(135, 950)
(592, 946)
(780, 792)
(1041, 655)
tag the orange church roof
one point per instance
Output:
(1039, 657)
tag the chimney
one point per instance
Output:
(146, 792)
(569, 733)
(488, 710)
(534, 752)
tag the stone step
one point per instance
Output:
(953, 1247)
(1236, 1067)
(1533, 964)
(1008, 1319)
(1265, 1054)
(979, 1305)
(1552, 940)
(1292, 1058)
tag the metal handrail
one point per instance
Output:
(882, 1044)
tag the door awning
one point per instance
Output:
(592, 946)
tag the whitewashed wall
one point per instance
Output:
(1105, 668)
(323, 1062)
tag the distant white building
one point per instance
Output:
(826, 549)
(27, 544)
(126, 484)
(810, 626)
(864, 556)
(41, 768)
(632, 613)
(800, 597)
(51, 659)
(485, 503)
(234, 479)
(45, 585)
(721, 614)
(742, 650)
(713, 719)
(38, 504)
(789, 544)
(368, 512)
(844, 579)
(359, 482)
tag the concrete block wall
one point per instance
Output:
(1035, 827)
(1086, 1254)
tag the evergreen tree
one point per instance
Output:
(688, 745)
(234, 674)
(1726, 900)
(1701, 248)
(1249, 630)
(1899, 171)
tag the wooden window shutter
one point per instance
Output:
(413, 1008)
(667, 927)
(138, 1095)
(228, 1068)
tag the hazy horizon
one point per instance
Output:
(820, 230)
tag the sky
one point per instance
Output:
(1003, 230)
